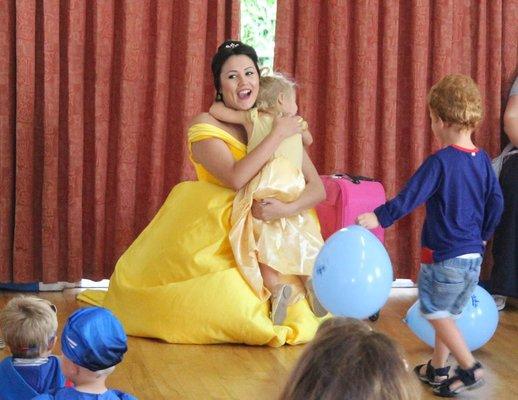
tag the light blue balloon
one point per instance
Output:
(477, 322)
(352, 276)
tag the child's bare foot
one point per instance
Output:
(280, 301)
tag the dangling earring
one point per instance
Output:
(219, 97)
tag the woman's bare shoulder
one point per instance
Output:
(204, 118)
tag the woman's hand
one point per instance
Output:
(271, 209)
(368, 220)
(285, 126)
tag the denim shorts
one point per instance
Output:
(445, 287)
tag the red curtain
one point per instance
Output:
(94, 101)
(364, 69)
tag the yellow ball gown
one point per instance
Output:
(178, 280)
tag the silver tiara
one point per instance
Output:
(232, 45)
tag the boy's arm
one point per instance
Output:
(421, 186)
(493, 209)
(221, 112)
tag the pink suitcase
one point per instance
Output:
(347, 197)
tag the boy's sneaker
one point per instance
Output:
(499, 301)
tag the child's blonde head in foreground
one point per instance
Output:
(348, 360)
(276, 94)
(456, 100)
(29, 325)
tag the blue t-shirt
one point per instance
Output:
(38, 376)
(41, 379)
(464, 202)
(73, 394)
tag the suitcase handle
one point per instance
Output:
(356, 179)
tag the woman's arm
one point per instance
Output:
(216, 157)
(511, 120)
(314, 193)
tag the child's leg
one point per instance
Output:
(446, 328)
(444, 289)
(438, 363)
(272, 280)
(448, 333)
(281, 292)
(285, 290)
(435, 371)
(270, 277)
(440, 353)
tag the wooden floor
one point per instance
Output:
(153, 370)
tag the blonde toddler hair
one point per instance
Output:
(271, 86)
(28, 325)
(456, 99)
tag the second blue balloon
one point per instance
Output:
(353, 275)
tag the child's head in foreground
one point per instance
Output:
(93, 342)
(277, 94)
(349, 360)
(29, 325)
(456, 101)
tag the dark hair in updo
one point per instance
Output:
(226, 50)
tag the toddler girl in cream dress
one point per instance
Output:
(275, 257)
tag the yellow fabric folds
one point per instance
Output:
(178, 280)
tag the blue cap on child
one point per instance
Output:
(93, 338)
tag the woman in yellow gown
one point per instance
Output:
(178, 280)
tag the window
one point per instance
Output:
(258, 28)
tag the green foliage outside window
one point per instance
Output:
(258, 28)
